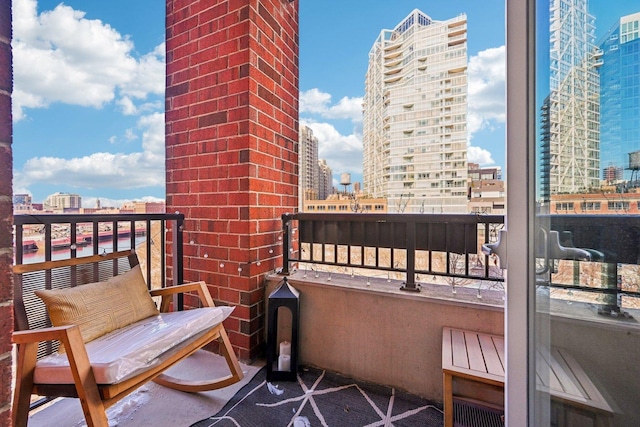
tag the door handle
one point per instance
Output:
(499, 248)
(558, 251)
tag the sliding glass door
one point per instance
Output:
(573, 160)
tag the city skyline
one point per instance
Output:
(112, 142)
(93, 114)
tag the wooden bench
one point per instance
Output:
(479, 358)
(36, 339)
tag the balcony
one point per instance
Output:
(378, 289)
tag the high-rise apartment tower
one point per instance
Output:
(325, 180)
(570, 114)
(415, 116)
(307, 163)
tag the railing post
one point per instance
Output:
(610, 280)
(410, 284)
(19, 244)
(286, 242)
(178, 260)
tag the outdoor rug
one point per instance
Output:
(321, 398)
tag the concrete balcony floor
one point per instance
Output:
(153, 405)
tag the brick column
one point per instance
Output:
(6, 214)
(231, 146)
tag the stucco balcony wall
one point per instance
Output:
(379, 333)
(607, 348)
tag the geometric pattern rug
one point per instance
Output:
(321, 398)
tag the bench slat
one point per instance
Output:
(474, 353)
(460, 357)
(491, 357)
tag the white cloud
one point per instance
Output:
(60, 56)
(130, 135)
(105, 170)
(479, 155)
(346, 108)
(127, 106)
(314, 101)
(487, 102)
(343, 153)
(153, 134)
(149, 75)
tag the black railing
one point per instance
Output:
(45, 237)
(411, 243)
(613, 245)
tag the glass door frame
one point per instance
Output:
(520, 219)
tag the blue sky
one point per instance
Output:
(89, 88)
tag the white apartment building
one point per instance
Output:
(307, 163)
(415, 116)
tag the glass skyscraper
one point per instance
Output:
(620, 95)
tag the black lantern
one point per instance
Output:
(282, 333)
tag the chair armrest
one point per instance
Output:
(43, 334)
(199, 287)
(69, 336)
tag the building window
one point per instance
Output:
(564, 206)
(618, 206)
(590, 206)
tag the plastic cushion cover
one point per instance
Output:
(128, 351)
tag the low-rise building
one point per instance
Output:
(346, 203)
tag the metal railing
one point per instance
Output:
(439, 245)
(45, 237)
(412, 243)
(613, 266)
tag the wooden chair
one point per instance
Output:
(37, 341)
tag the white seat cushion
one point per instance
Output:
(128, 351)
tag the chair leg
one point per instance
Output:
(448, 399)
(92, 405)
(27, 354)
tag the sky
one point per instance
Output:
(88, 101)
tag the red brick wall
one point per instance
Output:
(6, 214)
(231, 146)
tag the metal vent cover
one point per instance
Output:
(474, 414)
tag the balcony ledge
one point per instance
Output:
(441, 293)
